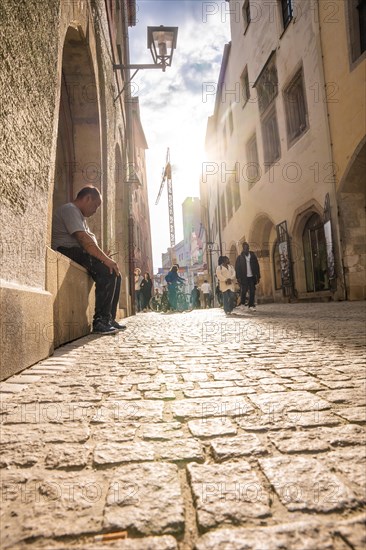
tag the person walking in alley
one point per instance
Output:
(138, 293)
(173, 279)
(146, 291)
(248, 274)
(206, 291)
(195, 298)
(226, 276)
(72, 237)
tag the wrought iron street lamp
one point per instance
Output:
(161, 41)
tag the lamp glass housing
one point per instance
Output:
(162, 42)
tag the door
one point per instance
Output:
(315, 255)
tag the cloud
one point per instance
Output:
(193, 74)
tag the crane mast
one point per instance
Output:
(167, 175)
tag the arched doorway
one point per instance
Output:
(78, 151)
(262, 236)
(315, 254)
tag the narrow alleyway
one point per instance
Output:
(193, 431)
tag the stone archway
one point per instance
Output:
(262, 237)
(352, 203)
(78, 151)
(77, 163)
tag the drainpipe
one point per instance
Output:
(130, 169)
(219, 215)
(337, 244)
(209, 252)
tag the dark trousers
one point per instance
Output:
(139, 300)
(145, 300)
(228, 299)
(248, 284)
(107, 285)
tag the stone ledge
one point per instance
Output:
(73, 299)
(26, 327)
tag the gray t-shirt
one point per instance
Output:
(66, 221)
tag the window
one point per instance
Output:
(286, 9)
(267, 84)
(246, 14)
(229, 200)
(362, 23)
(224, 138)
(296, 109)
(267, 87)
(271, 139)
(244, 79)
(231, 121)
(223, 210)
(235, 191)
(357, 27)
(252, 169)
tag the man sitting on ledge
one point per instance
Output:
(72, 237)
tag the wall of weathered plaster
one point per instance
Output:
(28, 77)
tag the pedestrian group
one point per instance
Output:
(72, 237)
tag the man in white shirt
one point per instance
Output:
(206, 291)
(72, 237)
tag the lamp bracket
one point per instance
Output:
(138, 67)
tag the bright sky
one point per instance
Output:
(174, 105)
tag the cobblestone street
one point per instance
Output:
(193, 431)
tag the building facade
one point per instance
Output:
(140, 201)
(64, 124)
(345, 74)
(271, 177)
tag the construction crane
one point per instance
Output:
(167, 175)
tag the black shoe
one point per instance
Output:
(101, 328)
(116, 325)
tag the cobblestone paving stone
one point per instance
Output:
(193, 431)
